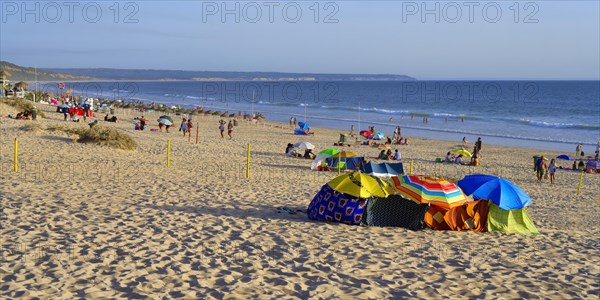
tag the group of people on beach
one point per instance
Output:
(544, 170)
(229, 128)
(388, 155)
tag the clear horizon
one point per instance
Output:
(427, 40)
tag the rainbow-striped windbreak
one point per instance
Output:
(424, 189)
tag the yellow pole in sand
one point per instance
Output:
(16, 159)
(168, 153)
(339, 161)
(410, 170)
(580, 182)
(248, 162)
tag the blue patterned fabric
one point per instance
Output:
(333, 206)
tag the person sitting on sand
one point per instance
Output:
(458, 160)
(389, 154)
(574, 167)
(448, 157)
(287, 149)
(397, 155)
(382, 155)
(581, 165)
(142, 123)
(389, 141)
(308, 154)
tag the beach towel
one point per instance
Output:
(470, 216)
(434, 218)
(511, 221)
(333, 206)
(395, 211)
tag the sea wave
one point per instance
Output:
(558, 125)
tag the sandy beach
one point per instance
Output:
(81, 220)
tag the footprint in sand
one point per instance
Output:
(82, 217)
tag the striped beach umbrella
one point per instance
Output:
(425, 189)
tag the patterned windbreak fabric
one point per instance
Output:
(511, 221)
(330, 205)
(395, 211)
(470, 216)
(434, 218)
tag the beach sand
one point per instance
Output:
(81, 220)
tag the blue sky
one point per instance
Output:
(368, 37)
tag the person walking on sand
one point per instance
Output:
(222, 128)
(552, 170)
(351, 131)
(230, 130)
(478, 144)
(183, 126)
(541, 168)
(189, 126)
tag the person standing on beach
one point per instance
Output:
(183, 126)
(189, 126)
(351, 131)
(541, 168)
(578, 149)
(230, 130)
(552, 170)
(222, 127)
(478, 144)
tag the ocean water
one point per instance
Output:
(554, 115)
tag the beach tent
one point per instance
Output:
(498, 190)
(354, 163)
(383, 169)
(333, 206)
(510, 221)
(320, 158)
(344, 198)
(377, 136)
(395, 211)
(592, 164)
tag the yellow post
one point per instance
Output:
(248, 162)
(16, 159)
(580, 182)
(339, 161)
(410, 169)
(168, 153)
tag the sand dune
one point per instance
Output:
(80, 220)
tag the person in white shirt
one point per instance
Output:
(397, 155)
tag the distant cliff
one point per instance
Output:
(127, 74)
(19, 73)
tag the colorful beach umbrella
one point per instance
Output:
(500, 191)
(425, 189)
(346, 154)
(360, 185)
(366, 133)
(304, 145)
(330, 152)
(166, 118)
(165, 121)
(564, 157)
(463, 152)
